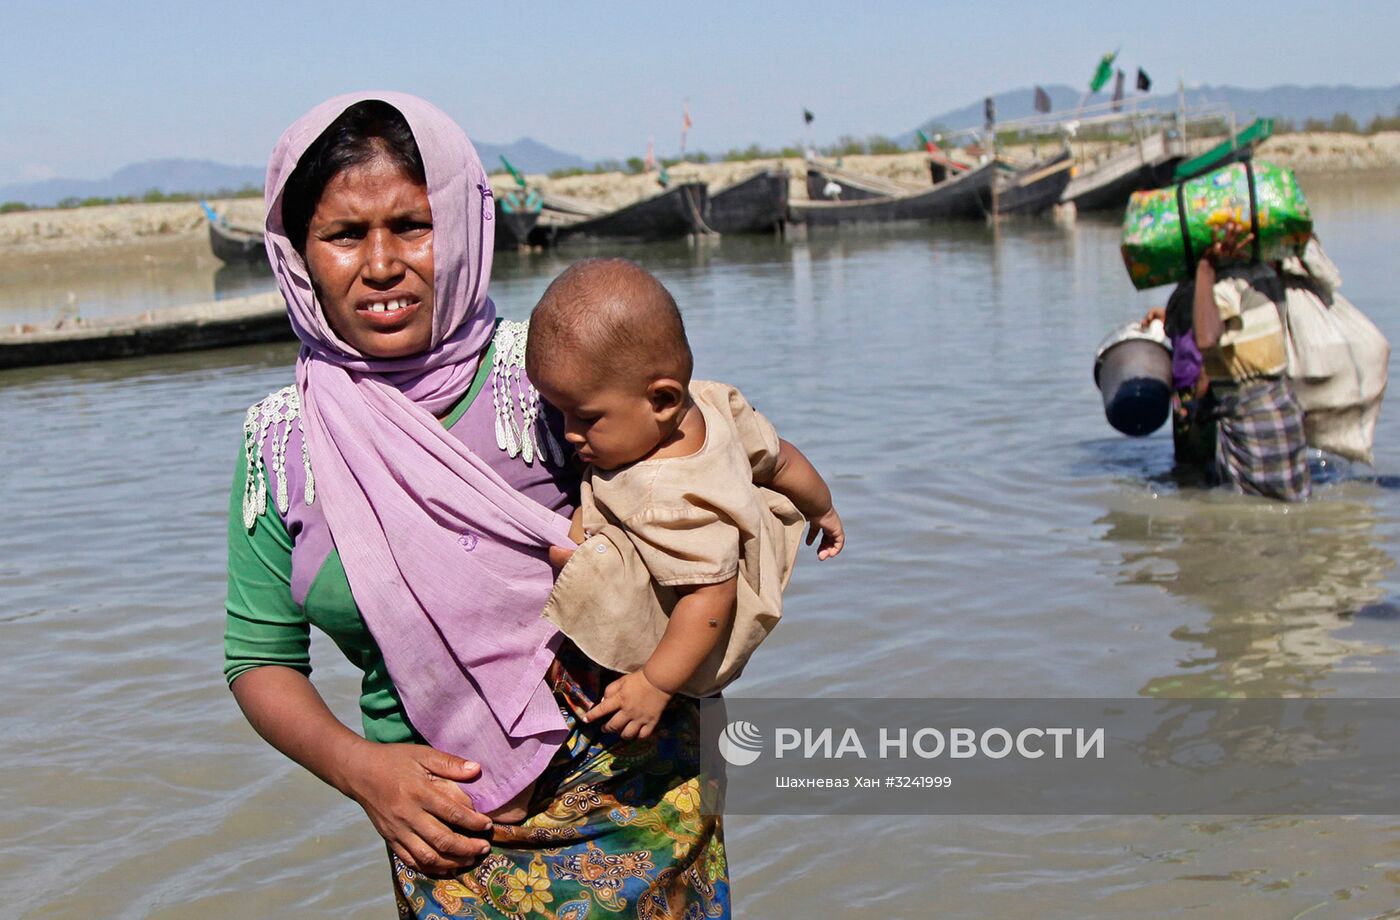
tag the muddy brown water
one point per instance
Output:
(1004, 541)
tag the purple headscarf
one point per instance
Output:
(446, 561)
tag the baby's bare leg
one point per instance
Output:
(516, 810)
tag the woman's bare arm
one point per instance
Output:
(1230, 244)
(409, 791)
(1205, 315)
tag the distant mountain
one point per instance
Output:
(1297, 103)
(190, 176)
(529, 156)
(206, 177)
(1300, 103)
(1018, 103)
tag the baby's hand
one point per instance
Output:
(832, 533)
(635, 704)
(559, 556)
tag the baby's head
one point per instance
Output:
(607, 348)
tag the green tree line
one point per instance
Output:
(153, 196)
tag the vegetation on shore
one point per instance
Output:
(845, 146)
(153, 196)
(1341, 123)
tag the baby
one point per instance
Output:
(691, 508)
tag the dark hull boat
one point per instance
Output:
(1037, 188)
(673, 214)
(242, 321)
(852, 186)
(967, 196)
(757, 204)
(562, 204)
(1146, 164)
(517, 212)
(232, 243)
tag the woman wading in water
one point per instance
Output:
(401, 497)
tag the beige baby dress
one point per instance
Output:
(673, 521)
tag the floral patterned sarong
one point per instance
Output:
(615, 829)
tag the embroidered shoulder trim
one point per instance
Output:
(520, 429)
(275, 415)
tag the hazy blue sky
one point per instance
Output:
(92, 86)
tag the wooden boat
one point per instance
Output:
(517, 212)
(1110, 183)
(563, 204)
(240, 321)
(233, 242)
(1035, 189)
(854, 186)
(968, 195)
(754, 204)
(676, 212)
(1230, 150)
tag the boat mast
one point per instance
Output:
(1181, 113)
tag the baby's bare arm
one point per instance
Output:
(576, 525)
(558, 555)
(701, 617)
(796, 478)
(634, 702)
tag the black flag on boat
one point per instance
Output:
(1118, 91)
(807, 115)
(1042, 100)
(1144, 82)
(989, 109)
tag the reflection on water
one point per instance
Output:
(240, 279)
(1277, 589)
(43, 289)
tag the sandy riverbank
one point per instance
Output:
(79, 230)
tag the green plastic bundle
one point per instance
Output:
(1166, 230)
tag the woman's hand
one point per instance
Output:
(1154, 315)
(833, 533)
(634, 703)
(410, 793)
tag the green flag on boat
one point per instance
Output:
(1104, 73)
(515, 173)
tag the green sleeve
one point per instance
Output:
(264, 626)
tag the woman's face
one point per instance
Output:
(369, 249)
